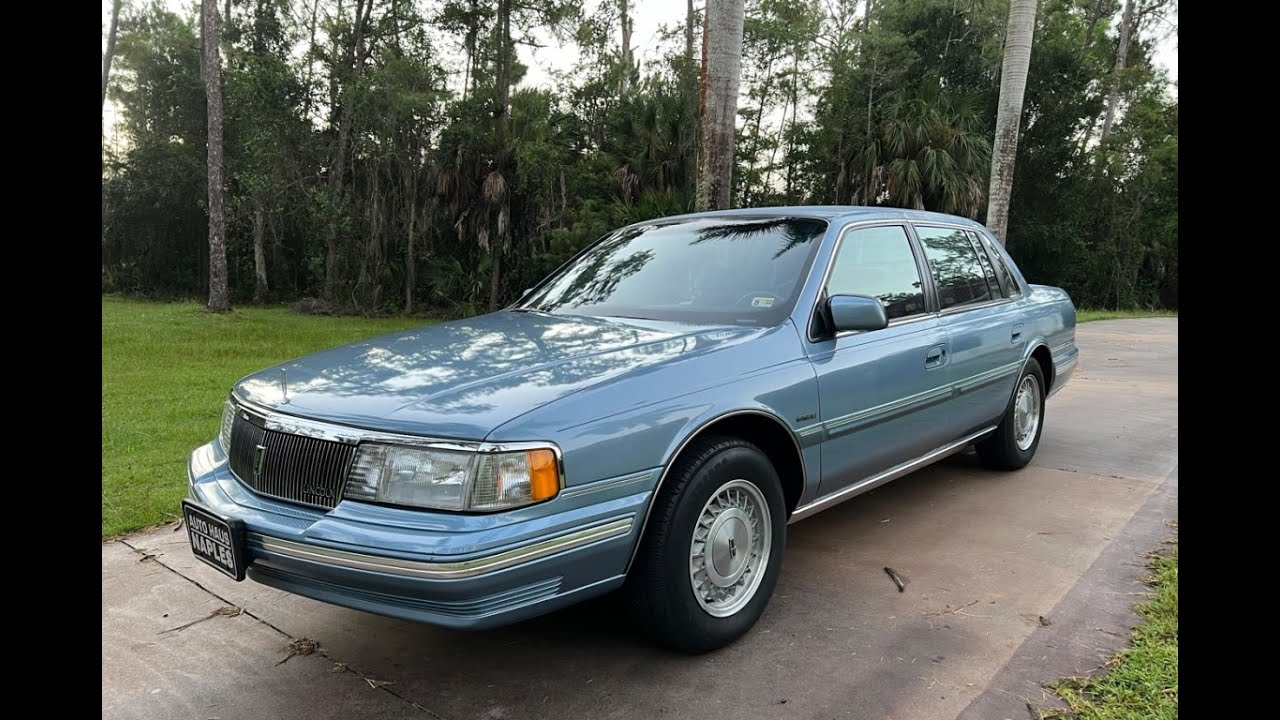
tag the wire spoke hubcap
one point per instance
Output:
(730, 548)
(1026, 412)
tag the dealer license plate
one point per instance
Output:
(217, 541)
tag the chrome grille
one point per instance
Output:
(290, 467)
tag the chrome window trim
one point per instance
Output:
(443, 570)
(350, 435)
(826, 277)
(874, 481)
(956, 310)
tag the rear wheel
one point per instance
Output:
(709, 560)
(1016, 438)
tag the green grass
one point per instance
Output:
(1083, 316)
(1141, 682)
(166, 369)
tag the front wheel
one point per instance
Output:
(1015, 440)
(709, 559)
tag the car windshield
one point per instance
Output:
(742, 271)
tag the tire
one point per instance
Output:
(738, 477)
(1003, 450)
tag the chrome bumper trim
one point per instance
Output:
(443, 570)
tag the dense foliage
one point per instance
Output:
(384, 155)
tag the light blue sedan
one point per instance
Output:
(648, 418)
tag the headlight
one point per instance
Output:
(224, 432)
(448, 479)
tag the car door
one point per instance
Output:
(983, 327)
(881, 392)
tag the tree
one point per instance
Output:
(628, 63)
(721, 71)
(1122, 56)
(111, 48)
(107, 57)
(461, 184)
(344, 77)
(219, 298)
(1013, 84)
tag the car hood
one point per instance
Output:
(462, 379)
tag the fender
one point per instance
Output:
(673, 455)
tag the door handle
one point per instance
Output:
(1017, 332)
(935, 356)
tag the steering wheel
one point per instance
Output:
(754, 294)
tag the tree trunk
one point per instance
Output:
(1122, 57)
(106, 74)
(869, 195)
(783, 136)
(721, 73)
(498, 243)
(311, 58)
(495, 277)
(624, 84)
(1013, 85)
(259, 255)
(410, 272)
(355, 57)
(1092, 25)
(505, 50)
(219, 300)
(766, 86)
(688, 32)
(111, 49)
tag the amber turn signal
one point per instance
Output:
(544, 475)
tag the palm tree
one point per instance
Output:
(1013, 84)
(928, 155)
(721, 71)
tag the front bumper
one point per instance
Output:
(454, 570)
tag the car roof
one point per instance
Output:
(833, 213)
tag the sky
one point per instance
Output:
(648, 16)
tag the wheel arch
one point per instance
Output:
(1040, 353)
(762, 428)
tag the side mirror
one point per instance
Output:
(856, 312)
(526, 292)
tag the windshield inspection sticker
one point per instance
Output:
(761, 302)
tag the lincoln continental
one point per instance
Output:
(648, 419)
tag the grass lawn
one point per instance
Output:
(1141, 682)
(1083, 316)
(166, 369)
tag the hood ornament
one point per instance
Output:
(284, 385)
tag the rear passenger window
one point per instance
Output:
(878, 262)
(987, 270)
(1010, 286)
(957, 271)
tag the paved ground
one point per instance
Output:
(989, 559)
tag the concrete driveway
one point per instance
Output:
(1012, 579)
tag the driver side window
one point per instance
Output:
(878, 262)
